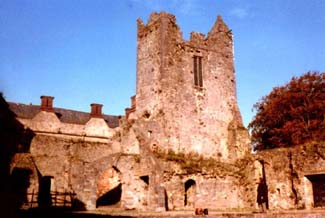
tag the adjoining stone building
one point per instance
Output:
(181, 145)
(295, 176)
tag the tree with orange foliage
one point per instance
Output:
(292, 114)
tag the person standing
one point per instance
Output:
(261, 195)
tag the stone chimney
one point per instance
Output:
(96, 111)
(133, 102)
(133, 106)
(47, 103)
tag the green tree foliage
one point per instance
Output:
(291, 114)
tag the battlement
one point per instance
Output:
(190, 83)
(154, 19)
(164, 22)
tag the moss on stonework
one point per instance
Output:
(194, 163)
(137, 158)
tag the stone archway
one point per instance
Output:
(109, 188)
(190, 193)
(144, 187)
(117, 176)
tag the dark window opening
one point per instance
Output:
(110, 198)
(166, 200)
(197, 69)
(318, 183)
(145, 179)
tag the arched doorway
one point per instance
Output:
(190, 192)
(109, 188)
(144, 187)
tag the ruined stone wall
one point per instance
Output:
(64, 159)
(213, 193)
(62, 151)
(172, 114)
(169, 113)
(179, 114)
(89, 162)
(288, 172)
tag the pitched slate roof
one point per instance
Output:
(66, 116)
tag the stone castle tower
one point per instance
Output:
(180, 146)
(185, 108)
(186, 90)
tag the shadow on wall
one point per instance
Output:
(60, 213)
(19, 183)
(112, 197)
(13, 138)
(45, 196)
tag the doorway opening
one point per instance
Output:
(318, 184)
(109, 188)
(110, 198)
(190, 192)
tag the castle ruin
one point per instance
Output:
(181, 145)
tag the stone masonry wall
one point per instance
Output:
(64, 159)
(188, 118)
(63, 151)
(287, 172)
(180, 146)
(218, 185)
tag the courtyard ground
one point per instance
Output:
(108, 213)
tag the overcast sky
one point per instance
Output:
(84, 51)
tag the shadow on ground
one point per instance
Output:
(61, 212)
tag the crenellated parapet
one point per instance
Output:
(188, 88)
(220, 31)
(155, 22)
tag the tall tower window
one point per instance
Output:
(197, 69)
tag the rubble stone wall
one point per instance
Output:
(287, 172)
(181, 115)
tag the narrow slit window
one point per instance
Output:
(197, 69)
